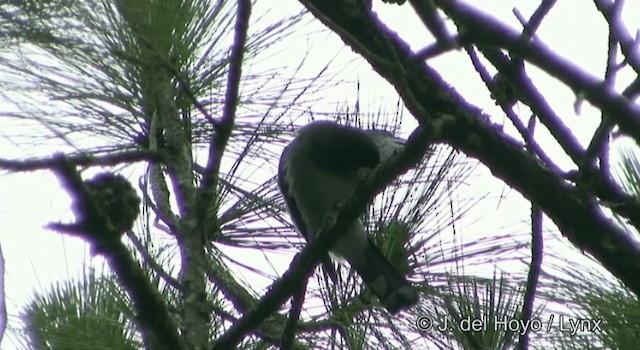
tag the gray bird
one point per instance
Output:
(318, 170)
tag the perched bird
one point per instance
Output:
(318, 170)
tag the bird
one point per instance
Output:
(317, 171)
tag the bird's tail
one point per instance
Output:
(384, 280)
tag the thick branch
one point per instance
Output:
(461, 125)
(482, 29)
(602, 186)
(599, 182)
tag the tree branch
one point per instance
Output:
(484, 30)
(94, 225)
(243, 301)
(535, 21)
(224, 127)
(304, 262)
(628, 45)
(464, 127)
(289, 332)
(599, 183)
(508, 110)
(528, 94)
(84, 160)
(149, 260)
(3, 297)
(537, 246)
(428, 14)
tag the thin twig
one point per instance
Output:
(187, 90)
(222, 129)
(149, 260)
(537, 246)
(161, 210)
(598, 147)
(3, 298)
(528, 94)
(428, 13)
(438, 48)
(515, 120)
(429, 16)
(537, 250)
(289, 332)
(602, 186)
(532, 25)
(628, 45)
(83, 160)
(601, 182)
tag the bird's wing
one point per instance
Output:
(387, 144)
(295, 214)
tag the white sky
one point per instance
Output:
(36, 257)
